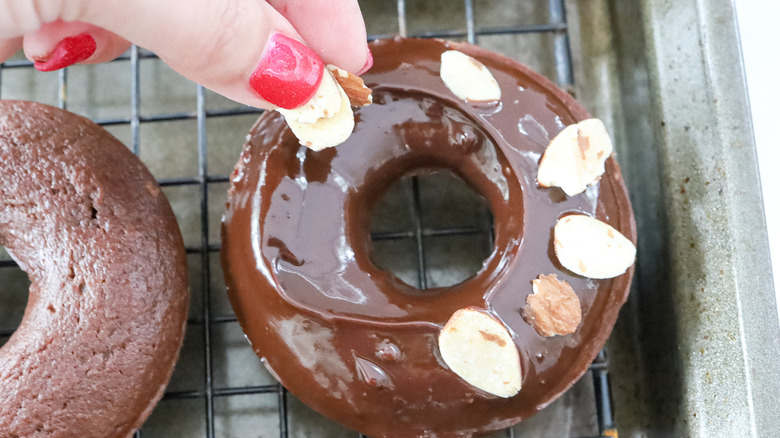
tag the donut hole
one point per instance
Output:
(13, 295)
(431, 229)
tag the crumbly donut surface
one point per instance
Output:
(108, 297)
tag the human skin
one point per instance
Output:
(218, 44)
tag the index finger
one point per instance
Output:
(334, 29)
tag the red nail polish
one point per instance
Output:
(68, 52)
(369, 63)
(288, 73)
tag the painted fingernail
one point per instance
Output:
(68, 52)
(369, 63)
(288, 73)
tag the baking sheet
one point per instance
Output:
(696, 353)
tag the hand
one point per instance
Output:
(250, 51)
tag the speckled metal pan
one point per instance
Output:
(697, 350)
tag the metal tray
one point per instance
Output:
(696, 349)
(696, 352)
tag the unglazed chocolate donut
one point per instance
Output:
(354, 342)
(108, 300)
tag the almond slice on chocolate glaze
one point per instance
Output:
(575, 158)
(591, 248)
(553, 308)
(354, 87)
(468, 78)
(479, 349)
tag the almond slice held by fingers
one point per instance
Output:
(591, 248)
(479, 349)
(357, 92)
(325, 103)
(575, 158)
(468, 78)
(326, 132)
(334, 124)
(553, 308)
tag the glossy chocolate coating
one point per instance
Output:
(354, 342)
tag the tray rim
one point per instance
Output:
(701, 339)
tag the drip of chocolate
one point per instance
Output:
(354, 342)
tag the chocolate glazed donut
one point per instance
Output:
(354, 342)
(108, 300)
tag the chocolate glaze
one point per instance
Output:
(354, 342)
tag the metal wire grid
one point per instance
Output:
(557, 26)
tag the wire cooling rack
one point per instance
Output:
(203, 250)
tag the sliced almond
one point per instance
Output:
(575, 158)
(468, 78)
(325, 103)
(553, 308)
(326, 132)
(479, 349)
(358, 93)
(591, 248)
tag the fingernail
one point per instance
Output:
(288, 73)
(68, 52)
(369, 63)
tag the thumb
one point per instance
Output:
(242, 49)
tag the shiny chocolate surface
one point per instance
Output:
(354, 342)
